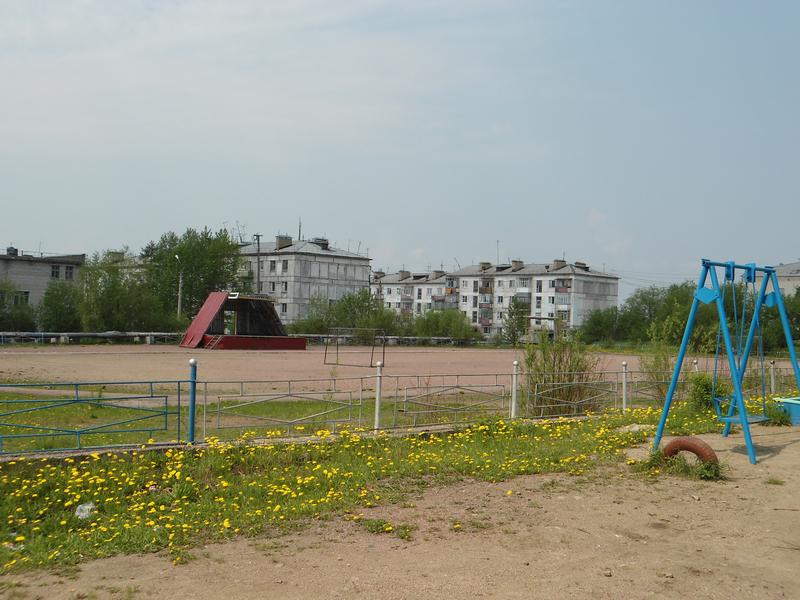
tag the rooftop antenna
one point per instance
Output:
(458, 264)
(498, 252)
(299, 228)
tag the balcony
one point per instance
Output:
(485, 322)
(485, 290)
(485, 304)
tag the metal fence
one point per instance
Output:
(62, 416)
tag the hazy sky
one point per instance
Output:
(639, 135)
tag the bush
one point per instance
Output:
(701, 388)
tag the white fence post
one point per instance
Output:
(378, 389)
(624, 385)
(514, 375)
(695, 365)
(772, 377)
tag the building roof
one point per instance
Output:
(529, 269)
(788, 270)
(69, 259)
(301, 247)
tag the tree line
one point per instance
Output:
(659, 314)
(117, 290)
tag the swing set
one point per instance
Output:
(737, 335)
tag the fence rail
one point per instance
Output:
(63, 416)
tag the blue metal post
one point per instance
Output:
(787, 330)
(748, 345)
(192, 398)
(735, 375)
(687, 334)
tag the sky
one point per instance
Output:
(637, 136)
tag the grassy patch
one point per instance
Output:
(678, 465)
(174, 500)
(774, 481)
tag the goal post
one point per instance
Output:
(355, 347)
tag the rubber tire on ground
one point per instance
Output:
(696, 446)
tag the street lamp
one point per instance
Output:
(180, 283)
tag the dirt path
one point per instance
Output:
(610, 534)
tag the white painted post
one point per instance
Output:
(772, 377)
(624, 385)
(514, 375)
(378, 389)
(695, 366)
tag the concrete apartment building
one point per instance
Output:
(295, 271)
(789, 278)
(415, 293)
(32, 274)
(483, 292)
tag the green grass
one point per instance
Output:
(178, 499)
(678, 465)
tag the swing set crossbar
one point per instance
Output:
(738, 354)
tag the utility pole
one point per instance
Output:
(258, 262)
(180, 284)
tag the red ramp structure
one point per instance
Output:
(231, 321)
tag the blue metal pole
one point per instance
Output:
(787, 330)
(735, 375)
(748, 345)
(192, 398)
(687, 334)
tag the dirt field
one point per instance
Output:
(138, 363)
(610, 534)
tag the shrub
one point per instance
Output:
(701, 388)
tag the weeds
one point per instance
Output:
(678, 465)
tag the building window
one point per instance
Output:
(388, 305)
(21, 298)
(500, 316)
(474, 302)
(271, 286)
(538, 321)
(551, 300)
(419, 293)
(499, 283)
(511, 283)
(538, 302)
(272, 266)
(524, 282)
(474, 316)
(463, 299)
(397, 305)
(499, 299)
(55, 271)
(428, 306)
(284, 308)
(388, 291)
(428, 292)
(538, 286)
(475, 287)
(69, 272)
(485, 330)
(284, 266)
(552, 283)
(284, 286)
(419, 308)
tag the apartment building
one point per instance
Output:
(414, 293)
(293, 272)
(31, 274)
(789, 278)
(566, 292)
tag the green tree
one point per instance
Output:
(117, 296)
(59, 309)
(16, 314)
(209, 262)
(516, 323)
(445, 323)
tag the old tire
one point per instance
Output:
(696, 446)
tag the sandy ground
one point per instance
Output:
(609, 534)
(138, 363)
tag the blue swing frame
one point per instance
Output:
(737, 412)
